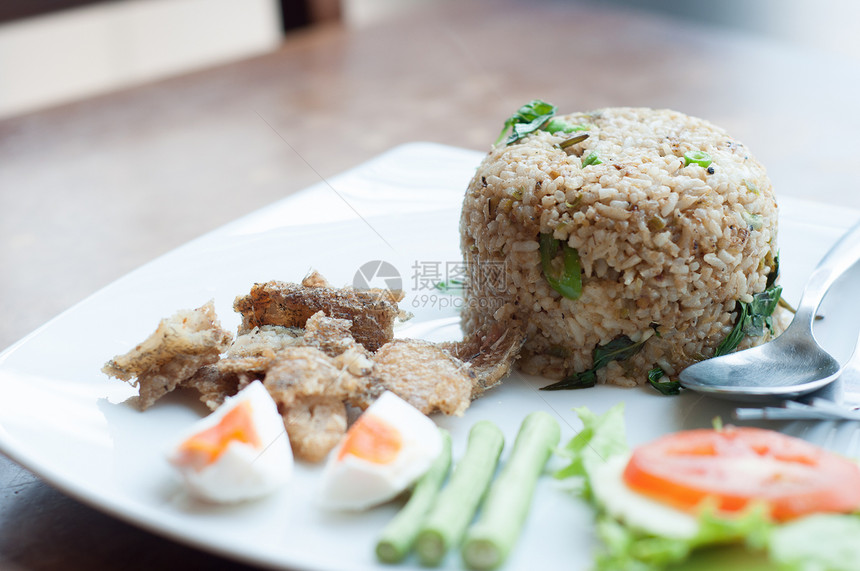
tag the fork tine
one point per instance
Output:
(847, 385)
(853, 447)
(797, 412)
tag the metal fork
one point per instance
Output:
(838, 401)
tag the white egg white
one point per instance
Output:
(353, 483)
(635, 510)
(242, 471)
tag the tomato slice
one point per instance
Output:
(734, 467)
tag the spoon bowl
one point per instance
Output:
(793, 364)
(786, 368)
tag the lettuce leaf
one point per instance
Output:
(602, 436)
(822, 542)
(627, 549)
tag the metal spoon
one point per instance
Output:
(791, 365)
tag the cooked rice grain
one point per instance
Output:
(659, 242)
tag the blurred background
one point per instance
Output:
(55, 51)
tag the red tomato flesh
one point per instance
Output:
(734, 467)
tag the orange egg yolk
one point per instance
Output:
(207, 446)
(373, 439)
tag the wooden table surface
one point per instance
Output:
(91, 190)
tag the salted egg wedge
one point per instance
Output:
(239, 452)
(385, 450)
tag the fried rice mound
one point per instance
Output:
(666, 250)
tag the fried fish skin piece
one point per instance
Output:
(315, 425)
(247, 359)
(180, 345)
(372, 312)
(310, 389)
(444, 377)
(332, 336)
(306, 371)
(253, 352)
(215, 385)
(315, 279)
(422, 374)
(490, 354)
(328, 334)
(261, 341)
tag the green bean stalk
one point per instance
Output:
(459, 500)
(491, 538)
(397, 538)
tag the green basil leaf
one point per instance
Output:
(668, 388)
(752, 320)
(526, 120)
(765, 303)
(733, 339)
(754, 325)
(583, 380)
(655, 374)
(619, 349)
(665, 387)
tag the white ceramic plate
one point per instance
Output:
(63, 419)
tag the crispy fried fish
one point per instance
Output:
(247, 359)
(310, 390)
(328, 334)
(315, 279)
(489, 353)
(261, 341)
(422, 374)
(332, 337)
(313, 347)
(215, 385)
(179, 346)
(372, 312)
(254, 351)
(315, 425)
(443, 377)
